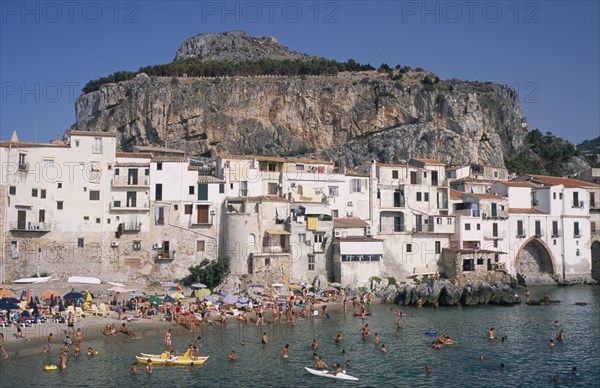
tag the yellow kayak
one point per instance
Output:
(50, 367)
(172, 361)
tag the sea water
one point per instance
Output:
(528, 360)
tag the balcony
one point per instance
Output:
(577, 204)
(132, 227)
(387, 228)
(24, 167)
(130, 182)
(500, 215)
(556, 233)
(490, 235)
(194, 223)
(271, 249)
(594, 205)
(116, 205)
(35, 227)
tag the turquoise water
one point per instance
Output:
(528, 359)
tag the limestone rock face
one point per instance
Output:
(349, 118)
(234, 46)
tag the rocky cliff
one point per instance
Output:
(235, 46)
(350, 116)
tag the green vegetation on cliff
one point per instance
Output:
(211, 273)
(197, 67)
(542, 154)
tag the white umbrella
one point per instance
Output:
(277, 285)
(198, 285)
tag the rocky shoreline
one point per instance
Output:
(446, 293)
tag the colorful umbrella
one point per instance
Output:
(155, 300)
(88, 296)
(230, 299)
(48, 294)
(73, 295)
(6, 304)
(175, 288)
(177, 295)
(6, 293)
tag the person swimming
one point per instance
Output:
(321, 364)
(232, 356)
(285, 352)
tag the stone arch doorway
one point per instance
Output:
(596, 260)
(534, 259)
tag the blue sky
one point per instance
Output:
(549, 51)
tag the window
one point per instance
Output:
(560, 195)
(467, 226)
(478, 226)
(159, 215)
(108, 221)
(575, 199)
(449, 221)
(318, 238)
(76, 143)
(426, 197)
(191, 190)
(538, 228)
(267, 261)
(202, 192)
(59, 205)
(413, 177)
(394, 174)
(22, 159)
(555, 229)
(34, 192)
(86, 218)
(158, 192)
(299, 167)
(175, 207)
(520, 231)
(272, 167)
(80, 242)
(159, 166)
(187, 209)
(419, 196)
(221, 188)
(553, 195)
(302, 238)
(97, 145)
(12, 190)
(117, 172)
(438, 247)
(311, 262)
(202, 216)
(355, 185)
(576, 231)
(43, 193)
(272, 188)
(98, 220)
(59, 185)
(200, 246)
(408, 248)
(243, 188)
(147, 171)
(333, 191)
(94, 195)
(480, 261)
(496, 174)
(137, 245)
(438, 221)
(42, 215)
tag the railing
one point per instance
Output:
(539, 232)
(556, 233)
(277, 249)
(132, 227)
(23, 167)
(501, 215)
(121, 206)
(194, 222)
(31, 227)
(490, 235)
(124, 180)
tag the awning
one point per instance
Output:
(277, 231)
(282, 213)
(361, 248)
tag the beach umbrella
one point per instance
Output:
(277, 285)
(177, 295)
(243, 300)
(256, 290)
(73, 296)
(7, 304)
(198, 285)
(175, 288)
(209, 298)
(88, 296)
(230, 299)
(49, 293)
(201, 293)
(155, 300)
(6, 293)
(168, 299)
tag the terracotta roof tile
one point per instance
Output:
(92, 133)
(25, 144)
(209, 179)
(350, 222)
(518, 210)
(486, 196)
(566, 182)
(455, 194)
